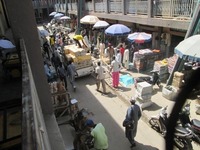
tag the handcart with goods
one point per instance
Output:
(63, 105)
(81, 59)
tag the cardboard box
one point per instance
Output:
(169, 92)
(177, 83)
(144, 97)
(178, 75)
(144, 88)
(74, 50)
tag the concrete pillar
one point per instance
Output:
(124, 7)
(93, 5)
(23, 24)
(107, 6)
(149, 13)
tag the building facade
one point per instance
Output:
(161, 18)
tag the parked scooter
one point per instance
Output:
(154, 79)
(83, 139)
(78, 121)
(193, 124)
(182, 136)
(159, 121)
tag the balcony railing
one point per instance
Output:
(115, 6)
(137, 7)
(43, 3)
(159, 8)
(60, 7)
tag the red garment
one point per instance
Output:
(115, 78)
(122, 51)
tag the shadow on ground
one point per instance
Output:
(153, 107)
(140, 146)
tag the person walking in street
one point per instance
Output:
(126, 59)
(115, 67)
(110, 51)
(133, 114)
(119, 57)
(55, 60)
(62, 74)
(99, 135)
(48, 72)
(52, 42)
(71, 71)
(122, 49)
(100, 77)
(46, 49)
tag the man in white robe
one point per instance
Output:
(126, 59)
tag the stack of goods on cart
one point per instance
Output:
(60, 99)
(80, 57)
(146, 58)
(162, 67)
(171, 62)
(143, 94)
(178, 79)
(58, 92)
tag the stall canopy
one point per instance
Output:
(189, 49)
(89, 19)
(139, 37)
(101, 24)
(117, 30)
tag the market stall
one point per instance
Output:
(144, 59)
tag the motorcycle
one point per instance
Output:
(193, 125)
(78, 121)
(159, 121)
(182, 136)
(83, 139)
(154, 79)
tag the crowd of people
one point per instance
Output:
(56, 68)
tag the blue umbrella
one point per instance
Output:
(53, 13)
(44, 32)
(6, 44)
(117, 29)
(58, 15)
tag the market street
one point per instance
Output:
(110, 111)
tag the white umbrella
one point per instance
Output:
(6, 44)
(58, 15)
(189, 48)
(65, 18)
(52, 13)
(100, 24)
(89, 19)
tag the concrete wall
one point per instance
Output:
(23, 25)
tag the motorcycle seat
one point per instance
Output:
(196, 123)
(182, 130)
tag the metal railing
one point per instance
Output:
(43, 3)
(159, 8)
